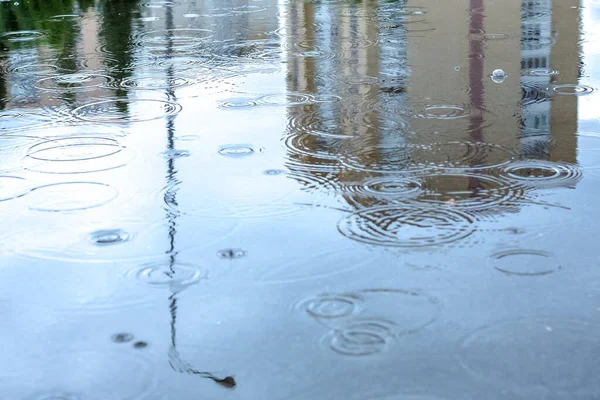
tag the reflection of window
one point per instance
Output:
(537, 62)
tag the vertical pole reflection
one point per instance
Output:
(175, 360)
(476, 68)
(476, 80)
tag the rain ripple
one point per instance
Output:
(524, 262)
(70, 196)
(407, 226)
(126, 110)
(543, 174)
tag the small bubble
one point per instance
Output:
(140, 345)
(122, 337)
(231, 253)
(457, 68)
(498, 75)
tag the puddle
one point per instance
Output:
(262, 198)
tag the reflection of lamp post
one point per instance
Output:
(175, 360)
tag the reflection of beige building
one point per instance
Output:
(452, 53)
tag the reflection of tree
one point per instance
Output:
(37, 15)
(115, 32)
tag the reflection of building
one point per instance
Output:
(445, 93)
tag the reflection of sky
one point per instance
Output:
(588, 107)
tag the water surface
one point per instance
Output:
(295, 199)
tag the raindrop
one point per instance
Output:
(544, 174)
(231, 254)
(571, 89)
(524, 262)
(407, 226)
(140, 345)
(177, 38)
(70, 196)
(126, 110)
(284, 99)
(108, 237)
(159, 4)
(381, 190)
(122, 337)
(525, 357)
(457, 68)
(36, 69)
(239, 102)
(539, 72)
(236, 150)
(163, 274)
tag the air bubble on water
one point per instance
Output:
(498, 75)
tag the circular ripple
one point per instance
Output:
(524, 262)
(407, 226)
(332, 305)
(159, 4)
(70, 196)
(177, 38)
(36, 69)
(544, 174)
(362, 337)
(108, 237)
(285, 99)
(536, 356)
(421, 157)
(539, 72)
(307, 152)
(76, 155)
(11, 121)
(12, 187)
(381, 190)
(151, 82)
(73, 82)
(470, 191)
(571, 89)
(163, 274)
(22, 36)
(126, 110)
(64, 17)
(253, 50)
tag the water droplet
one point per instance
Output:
(122, 337)
(231, 254)
(176, 38)
(163, 274)
(153, 82)
(236, 150)
(77, 82)
(524, 262)
(140, 345)
(407, 226)
(457, 68)
(70, 196)
(107, 237)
